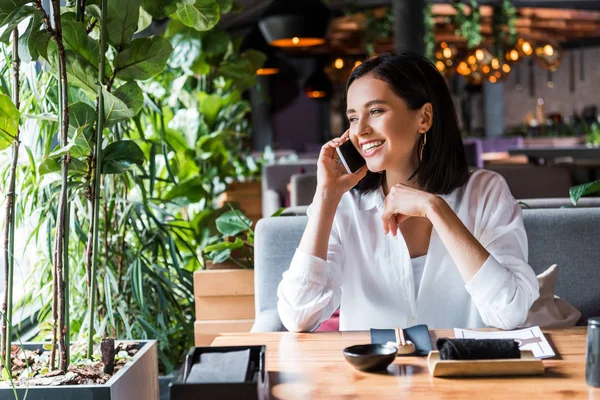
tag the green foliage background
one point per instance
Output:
(175, 134)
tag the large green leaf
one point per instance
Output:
(233, 222)
(160, 9)
(7, 7)
(81, 114)
(241, 71)
(210, 105)
(76, 39)
(78, 147)
(202, 15)
(144, 59)
(34, 25)
(256, 58)
(15, 18)
(115, 110)
(131, 94)
(191, 189)
(38, 44)
(76, 167)
(122, 21)
(238, 244)
(9, 121)
(79, 72)
(578, 191)
(144, 20)
(215, 44)
(118, 156)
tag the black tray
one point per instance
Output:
(254, 388)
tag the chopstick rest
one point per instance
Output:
(477, 349)
(404, 346)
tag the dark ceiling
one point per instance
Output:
(252, 9)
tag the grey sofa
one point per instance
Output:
(563, 202)
(567, 237)
(276, 177)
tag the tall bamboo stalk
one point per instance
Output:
(62, 240)
(97, 176)
(9, 227)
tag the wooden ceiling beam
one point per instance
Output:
(553, 13)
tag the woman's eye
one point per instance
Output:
(376, 111)
(352, 119)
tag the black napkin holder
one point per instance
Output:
(255, 387)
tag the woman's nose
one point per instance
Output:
(362, 129)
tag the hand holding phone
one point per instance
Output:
(350, 157)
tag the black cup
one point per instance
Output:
(592, 359)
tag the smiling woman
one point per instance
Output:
(456, 253)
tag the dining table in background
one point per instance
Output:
(312, 366)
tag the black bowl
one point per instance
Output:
(370, 357)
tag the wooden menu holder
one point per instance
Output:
(526, 365)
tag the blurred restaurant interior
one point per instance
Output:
(523, 75)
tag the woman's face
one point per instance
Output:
(382, 127)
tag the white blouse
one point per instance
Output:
(369, 275)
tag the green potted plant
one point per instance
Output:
(83, 204)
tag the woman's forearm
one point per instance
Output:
(315, 239)
(466, 251)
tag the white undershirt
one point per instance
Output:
(418, 265)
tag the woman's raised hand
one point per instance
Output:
(401, 203)
(332, 177)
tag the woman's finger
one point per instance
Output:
(328, 149)
(393, 226)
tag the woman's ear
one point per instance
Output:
(425, 117)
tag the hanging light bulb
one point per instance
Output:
(548, 55)
(338, 63)
(446, 58)
(524, 46)
(356, 64)
(463, 69)
(512, 55)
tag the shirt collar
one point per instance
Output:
(372, 199)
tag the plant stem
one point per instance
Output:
(97, 176)
(9, 227)
(80, 9)
(61, 242)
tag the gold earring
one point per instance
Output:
(422, 145)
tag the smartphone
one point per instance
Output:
(350, 157)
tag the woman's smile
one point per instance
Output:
(370, 147)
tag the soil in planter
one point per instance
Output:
(78, 373)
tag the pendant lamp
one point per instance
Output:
(290, 23)
(318, 85)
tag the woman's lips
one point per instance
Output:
(372, 151)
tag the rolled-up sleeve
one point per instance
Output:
(506, 286)
(310, 291)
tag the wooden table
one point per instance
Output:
(312, 366)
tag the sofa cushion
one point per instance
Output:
(549, 310)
